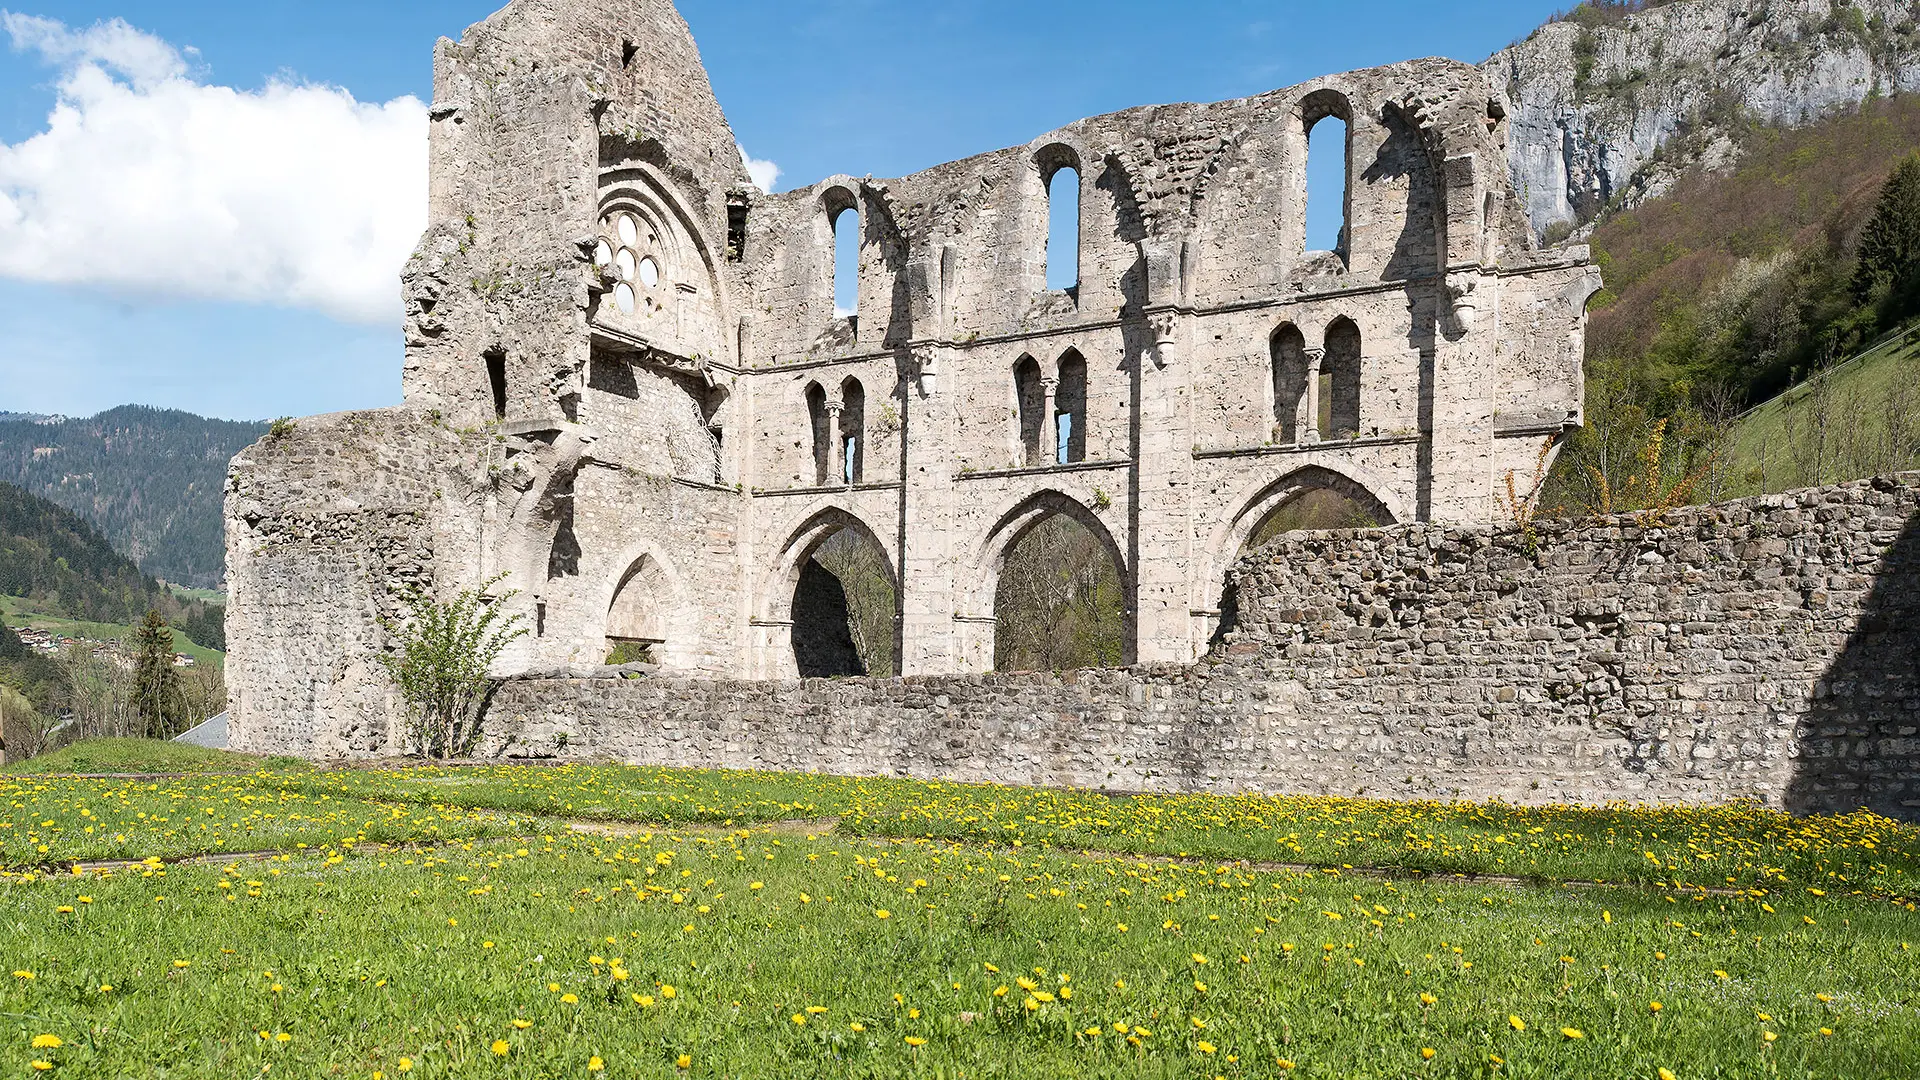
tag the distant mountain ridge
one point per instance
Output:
(1614, 101)
(152, 480)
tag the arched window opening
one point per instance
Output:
(1063, 229)
(853, 431)
(1328, 176)
(1060, 604)
(1312, 501)
(637, 622)
(845, 609)
(1315, 508)
(822, 433)
(1340, 382)
(1070, 410)
(1030, 405)
(1289, 349)
(846, 262)
(497, 381)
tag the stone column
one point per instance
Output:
(929, 597)
(1161, 547)
(1049, 424)
(837, 456)
(1309, 427)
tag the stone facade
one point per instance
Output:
(630, 395)
(1767, 649)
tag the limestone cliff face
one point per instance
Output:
(1619, 110)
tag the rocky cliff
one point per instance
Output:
(1612, 108)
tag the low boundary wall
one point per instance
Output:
(1762, 649)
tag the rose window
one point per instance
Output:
(630, 249)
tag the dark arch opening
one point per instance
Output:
(1030, 407)
(1060, 603)
(1070, 408)
(822, 434)
(845, 608)
(1340, 381)
(1289, 349)
(497, 381)
(853, 430)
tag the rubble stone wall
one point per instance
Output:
(1765, 649)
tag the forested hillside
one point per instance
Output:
(1734, 286)
(150, 479)
(54, 557)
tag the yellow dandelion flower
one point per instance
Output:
(1768, 1036)
(594, 1064)
(42, 1066)
(799, 1018)
(522, 1024)
(684, 1061)
(405, 1064)
(501, 1048)
(283, 1037)
(1573, 1033)
(1205, 1047)
(1668, 1074)
(569, 999)
(182, 963)
(1283, 1063)
(915, 1040)
(645, 1001)
(1654, 1006)
(882, 913)
(856, 1026)
(1428, 999)
(1517, 1023)
(667, 991)
(47, 1042)
(1427, 1052)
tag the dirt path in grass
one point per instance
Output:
(820, 826)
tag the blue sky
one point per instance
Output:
(857, 86)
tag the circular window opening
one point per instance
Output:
(623, 298)
(603, 254)
(649, 273)
(629, 232)
(624, 264)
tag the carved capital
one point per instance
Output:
(1315, 357)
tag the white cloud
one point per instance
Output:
(764, 173)
(147, 181)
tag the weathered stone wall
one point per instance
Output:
(1763, 649)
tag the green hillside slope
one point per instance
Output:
(150, 479)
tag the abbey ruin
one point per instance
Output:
(630, 395)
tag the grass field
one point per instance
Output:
(127, 756)
(17, 611)
(1761, 446)
(459, 921)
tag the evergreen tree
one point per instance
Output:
(156, 684)
(1888, 268)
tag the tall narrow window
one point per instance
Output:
(1329, 181)
(822, 433)
(1070, 410)
(1030, 403)
(1063, 229)
(1340, 382)
(497, 381)
(1289, 348)
(853, 431)
(846, 262)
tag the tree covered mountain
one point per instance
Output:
(55, 557)
(152, 480)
